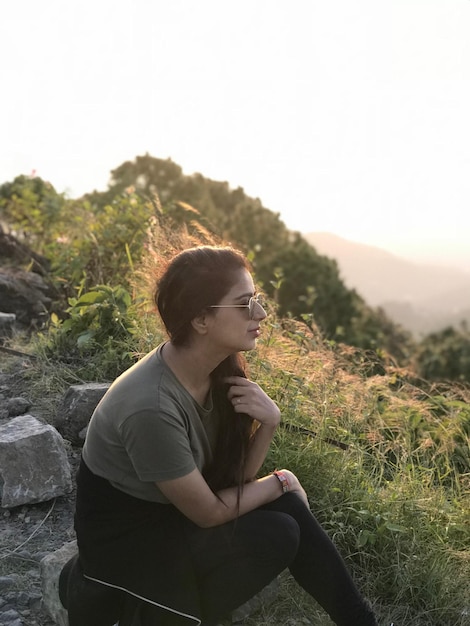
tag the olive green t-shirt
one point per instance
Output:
(148, 428)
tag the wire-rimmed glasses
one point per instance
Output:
(257, 299)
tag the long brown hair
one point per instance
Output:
(234, 434)
(195, 279)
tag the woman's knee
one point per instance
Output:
(291, 504)
(277, 534)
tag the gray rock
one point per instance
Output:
(33, 462)
(264, 598)
(10, 618)
(6, 582)
(76, 409)
(17, 406)
(51, 566)
(7, 323)
(26, 295)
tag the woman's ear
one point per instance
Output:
(199, 324)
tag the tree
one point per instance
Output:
(445, 355)
(310, 284)
(32, 208)
(145, 176)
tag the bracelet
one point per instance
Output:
(282, 478)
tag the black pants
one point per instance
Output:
(235, 561)
(228, 564)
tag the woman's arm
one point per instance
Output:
(194, 498)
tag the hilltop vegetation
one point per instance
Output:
(382, 451)
(93, 239)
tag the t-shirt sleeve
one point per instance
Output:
(158, 445)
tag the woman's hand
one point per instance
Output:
(248, 397)
(295, 486)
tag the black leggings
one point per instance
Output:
(235, 561)
(231, 562)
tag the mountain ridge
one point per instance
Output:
(421, 297)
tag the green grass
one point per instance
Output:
(397, 501)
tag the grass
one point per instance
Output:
(396, 501)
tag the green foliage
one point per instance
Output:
(310, 284)
(97, 334)
(445, 355)
(102, 244)
(97, 315)
(146, 176)
(87, 244)
(372, 329)
(32, 209)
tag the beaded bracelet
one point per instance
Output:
(282, 478)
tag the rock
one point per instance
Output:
(15, 252)
(26, 295)
(33, 462)
(17, 406)
(76, 409)
(7, 323)
(265, 597)
(6, 582)
(11, 618)
(51, 566)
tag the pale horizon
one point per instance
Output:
(348, 118)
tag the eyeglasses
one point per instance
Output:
(258, 299)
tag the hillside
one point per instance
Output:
(384, 462)
(423, 298)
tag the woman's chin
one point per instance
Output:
(249, 345)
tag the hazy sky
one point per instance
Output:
(347, 116)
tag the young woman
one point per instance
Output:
(173, 524)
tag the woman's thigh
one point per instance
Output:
(270, 538)
(235, 561)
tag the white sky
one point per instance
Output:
(347, 116)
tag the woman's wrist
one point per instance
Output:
(269, 427)
(283, 480)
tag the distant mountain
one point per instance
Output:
(423, 298)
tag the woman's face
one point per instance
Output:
(230, 322)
